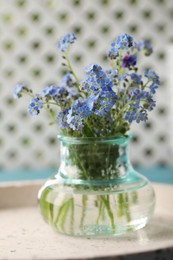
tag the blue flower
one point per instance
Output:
(49, 91)
(141, 116)
(18, 89)
(67, 80)
(80, 107)
(129, 60)
(153, 87)
(124, 42)
(123, 76)
(34, 106)
(130, 116)
(89, 84)
(61, 92)
(62, 119)
(85, 86)
(101, 77)
(151, 75)
(101, 112)
(138, 94)
(62, 95)
(135, 105)
(113, 53)
(107, 85)
(99, 102)
(92, 100)
(146, 46)
(97, 69)
(89, 68)
(111, 74)
(150, 103)
(66, 41)
(75, 122)
(93, 68)
(108, 95)
(136, 78)
(136, 46)
(72, 93)
(96, 79)
(104, 102)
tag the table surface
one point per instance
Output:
(24, 235)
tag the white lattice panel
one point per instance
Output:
(28, 35)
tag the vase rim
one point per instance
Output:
(108, 139)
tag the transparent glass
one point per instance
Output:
(96, 191)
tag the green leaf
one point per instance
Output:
(88, 132)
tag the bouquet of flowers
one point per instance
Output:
(106, 102)
(94, 117)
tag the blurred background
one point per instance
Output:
(29, 31)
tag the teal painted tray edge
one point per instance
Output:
(154, 174)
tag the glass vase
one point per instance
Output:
(96, 191)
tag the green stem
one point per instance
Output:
(60, 211)
(127, 208)
(44, 205)
(100, 209)
(124, 108)
(64, 214)
(134, 196)
(51, 115)
(108, 157)
(84, 203)
(146, 84)
(119, 115)
(120, 68)
(78, 162)
(72, 216)
(120, 205)
(70, 67)
(50, 103)
(44, 103)
(51, 207)
(112, 64)
(28, 93)
(109, 211)
(87, 130)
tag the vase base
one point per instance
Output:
(104, 231)
(98, 212)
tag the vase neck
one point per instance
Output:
(94, 160)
